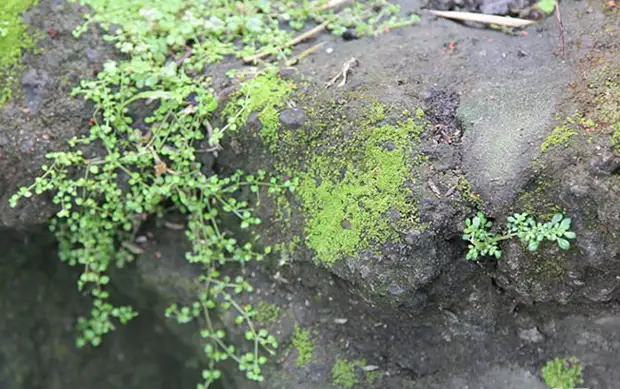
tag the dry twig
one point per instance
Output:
(560, 26)
(305, 53)
(346, 67)
(290, 43)
(331, 4)
(483, 18)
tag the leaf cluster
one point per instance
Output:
(485, 242)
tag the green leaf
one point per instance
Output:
(533, 246)
(565, 225)
(570, 235)
(563, 243)
(557, 218)
(546, 6)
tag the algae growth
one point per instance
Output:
(14, 40)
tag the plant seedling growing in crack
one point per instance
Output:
(483, 241)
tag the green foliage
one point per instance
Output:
(304, 346)
(546, 6)
(14, 39)
(345, 374)
(153, 114)
(563, 373)
(104, 198)
(220, 28)
(483, 241)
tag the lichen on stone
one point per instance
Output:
(14, 40)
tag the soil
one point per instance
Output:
(492, 99)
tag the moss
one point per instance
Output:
(560, 136)
(267, 313)
(14, 40)
(600, 116)
(563, 373)
(371, 376)
(304, 346)
(353, 160)
(545, 270)
(344, 374)
(468, 194)
(264, 95)
(348, 197)
(537, 202)
(605, 91)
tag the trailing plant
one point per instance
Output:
(153, 116)
(563, 373)
(485, 242)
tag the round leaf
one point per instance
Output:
(563, 243)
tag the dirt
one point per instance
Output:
(439, 322)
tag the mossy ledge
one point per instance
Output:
(14, 40)
(354, 157)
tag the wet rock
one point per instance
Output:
(532, 335)
(605, 163)
(292, 118)
(34, 83)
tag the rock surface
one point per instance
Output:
(411, 307)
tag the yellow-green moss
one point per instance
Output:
(264, 95)
(304, 346)
(605, 90)
(348, 197)
(537, 201)
(560, 136)
(371, 376)
(267, 313)
(468, 194)
(354, 161)
(344, 373)
(14, 40)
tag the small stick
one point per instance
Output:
(560, 26)
(331, 4)
(305, 53)
(290, 43)
(484, 18)
(346, 67)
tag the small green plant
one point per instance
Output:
(345, 374)
(267, 313)
(304, 346)
(484, 242)
(563, 373)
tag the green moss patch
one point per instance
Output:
(345, 374)
(348, 200)
(560, 136)
(304, 346)
(14, 39)
(263, 95)
(353, 158)
(267, 313)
